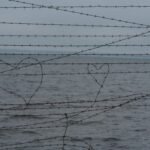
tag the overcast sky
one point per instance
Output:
(45, 15)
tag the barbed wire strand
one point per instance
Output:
(79, 6)
(88, 117)
(72, 45)
(72, 25)
(86, 50)
(73, 102)
(82, 63)
(79, 114)
(68, 35)
(62, 54)
(80, 13)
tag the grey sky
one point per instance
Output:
(139, 15)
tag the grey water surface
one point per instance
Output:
(64, 97)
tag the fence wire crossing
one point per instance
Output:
(65, 86)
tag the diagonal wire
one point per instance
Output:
(81, 13)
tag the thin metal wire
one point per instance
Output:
(72, 25)
(79, 6)
(82, 54)
(71, 45)
(67, 35)
(81, 13)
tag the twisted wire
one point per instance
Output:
(81, 13)
(68, 36)
(79, 6)
(72, 45)
(72, 25)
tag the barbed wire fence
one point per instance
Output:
(54, 100)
